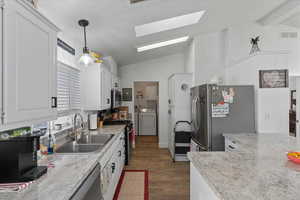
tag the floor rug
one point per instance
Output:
(133, 185)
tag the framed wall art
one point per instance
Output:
(126, 94)
(278, 78)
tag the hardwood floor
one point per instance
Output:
(167, 180)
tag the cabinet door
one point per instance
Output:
(199, 188)
(105, 87)
(91, 87)
(1, 67)
(108, 88)
(29, 65)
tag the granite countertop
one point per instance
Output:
(69, 172)
(258, 170)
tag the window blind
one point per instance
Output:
(68, 89)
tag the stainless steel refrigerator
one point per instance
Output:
(221, 109)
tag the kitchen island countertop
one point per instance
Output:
(69, 171)
(257, 170)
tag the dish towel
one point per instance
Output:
(14, 187)
(17, 187)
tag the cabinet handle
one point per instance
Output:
(120, 153)
(108, 101)
(231, 147)
(54, 102)
(113, 167)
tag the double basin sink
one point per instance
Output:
(86, 144)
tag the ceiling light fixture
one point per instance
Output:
(168, 24)
(162, 44)
(85, 59)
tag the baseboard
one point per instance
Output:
(163, 145)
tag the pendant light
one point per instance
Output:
(86, 59)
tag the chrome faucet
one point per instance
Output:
(75, 128)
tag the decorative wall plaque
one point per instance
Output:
(126, 94)
(274, 78)
(254, 42)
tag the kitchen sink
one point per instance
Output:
(95, 139)
(73, 147)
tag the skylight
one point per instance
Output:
(168, 24)
(162, 44)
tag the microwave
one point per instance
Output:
(116, 98)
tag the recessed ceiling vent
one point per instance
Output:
(136, 1)
(289, 35)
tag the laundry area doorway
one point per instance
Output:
(146, 104)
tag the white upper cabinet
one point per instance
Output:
(1, 69)
(111, 64)
(106, 87)
(29, 67)
(113, 67)
(96, 87)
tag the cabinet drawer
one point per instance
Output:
(230, 145)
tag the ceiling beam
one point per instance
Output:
(281, 13)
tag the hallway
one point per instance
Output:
(167, 180)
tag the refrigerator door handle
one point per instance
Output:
(201, 148)
(193, 113)
(197, 125)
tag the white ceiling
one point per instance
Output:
(111, 30)
(293, 20)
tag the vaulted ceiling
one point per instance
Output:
(112, 22)
(293, 20)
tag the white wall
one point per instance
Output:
(62, 55)
(154, 70)
(66, 57)
(204, 57)
(190, 60)
(209, 58)
(225, 55)
(238, 43)
(272, 105)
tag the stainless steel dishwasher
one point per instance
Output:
(90, 189)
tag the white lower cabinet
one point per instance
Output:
(230, 145)
(112, 165)
(199, 189)
(28, 65)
